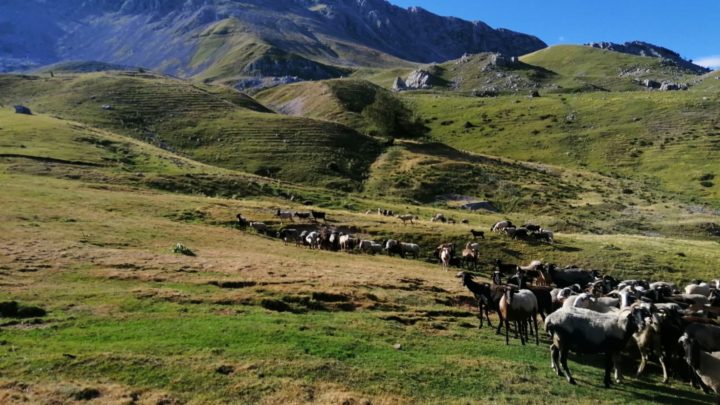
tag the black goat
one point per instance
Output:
(506, 268)
(477, 234)
(318, 215)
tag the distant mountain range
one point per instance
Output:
(244, 40)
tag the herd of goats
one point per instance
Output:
(583, 311)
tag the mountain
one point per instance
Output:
(641, 48)
(235, 39)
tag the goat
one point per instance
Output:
(367, 246)
(649, 340)
(284, 215)
(347, 242)
(242, 222)
(519, 307)
(412, 249)
(544, 235)
(313, 239)
(288, 234)
(407, 217)
(500, 226)
(303, 215)
(584, 331)
(505, 268)
(445, 258)
(703, 364)
(477, 234)
(316, 215)
(470, 256)
(260, 227)
(568, 277)
(532, 227)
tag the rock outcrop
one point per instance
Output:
(646, 49)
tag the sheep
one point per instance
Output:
(703, 364)
(715, 284)
(558, 296)
(242, 222)
(698, 288)
(519, 307)
(466, 222)
(445, 258)
(316, 215)
(518, 233)
(393, 247)
(500, 226)
(689, 299)
(303, 215)
(365, 246)
(438, 218)
(532, 227)
(584, 331)
(707, 336)
(544, 300)
(260, 227)
(407, 217)
(587, 301)
(568, 277)
(545, 235)
(284, 215)
(412, 249)
(288, 234)
(477, 234)
(376, 247)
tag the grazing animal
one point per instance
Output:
(438, 218)
(544, 235)
(477, 234)
(649, 341)
(313, 240)
(445, 257)
(587, 332)
(703, 364)
(470, 256)
(465, 221)
(532, 227)
(365, 246)
(505, 268)
(407, 217)
(260, 227)
(288, 235)
(517, 233)
(500, 226)
(284, 215)
(347, 242)
(519, 307)
(412, 249)
(487, 296)
(242, 222)
(393, 247)
(303, 215)
(568, 277)
(317, 215)
(698, 288)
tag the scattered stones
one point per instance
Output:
(397, 346)
(107, 107)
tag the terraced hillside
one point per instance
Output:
(666, 140)
(214, 125)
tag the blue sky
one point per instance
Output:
(689, 27)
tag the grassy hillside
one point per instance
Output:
(661, 139)
(343, 101)
(214, 125)
(583, 67)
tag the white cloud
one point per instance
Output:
(712, 62)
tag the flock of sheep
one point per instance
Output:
(588, 313)
(583, 311)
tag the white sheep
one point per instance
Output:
(700, 289)
(519, 307)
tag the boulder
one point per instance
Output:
(419, 79)
(21, 109)
(670, 86)
(651, 84)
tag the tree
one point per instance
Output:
(392, 118)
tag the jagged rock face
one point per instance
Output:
(165, 34)
(419, 79)
(645, 49)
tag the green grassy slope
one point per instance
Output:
(582, 67)
(211, 124)
(341, 100)
(664, 139)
